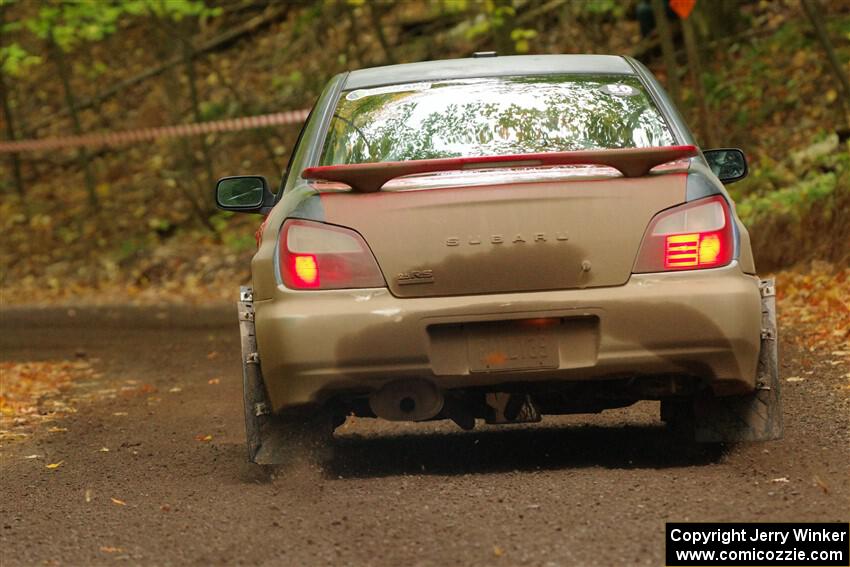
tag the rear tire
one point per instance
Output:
(752, 417)
(273, 439)
(678, 415)
(290, 440)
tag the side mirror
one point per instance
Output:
(728, 164)
(243, 193)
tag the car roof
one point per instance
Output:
(474, 67)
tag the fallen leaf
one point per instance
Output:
(106, 549)
(212, 355)
(104, 449)
(165, 508)
(214, 381)
(89, 495)
(821, 484)
(54, 465)
(57, 430)
(33, 457)
(780, 479)
(498, 551)
(203, 438)
(120, 413)
(118, 502)
(175, 390)
(794, 379)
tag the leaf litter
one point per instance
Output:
(35, 395)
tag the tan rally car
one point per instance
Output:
(502, 238)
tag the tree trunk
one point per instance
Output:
(662, 24)
(70, 101)
(706, 124)
(259, 135)
(502, 23)
(189, 63)
(813, 11)
(354, 42)
(719, 19)
(11, 134)
(185, 158)
(375, 12)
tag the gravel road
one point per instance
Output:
(577, 490)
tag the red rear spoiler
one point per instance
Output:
(370, 177)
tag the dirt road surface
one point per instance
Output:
(577, 490)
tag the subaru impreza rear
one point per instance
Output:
(500, 239)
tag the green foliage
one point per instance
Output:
(614, 8)
(448, 6)
(173, 9)
(235, 238)
(14, 59)
(494, 18)
(794, 200)
(214, 110)
(796, 196)
(499, 15)
(491, 17)
(71, 22)
(128, 249)
(521, 38)
(479, 27)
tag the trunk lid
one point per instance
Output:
(506, 237)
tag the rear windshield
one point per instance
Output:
(493, 116)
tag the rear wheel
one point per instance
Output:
(753, 417)
(274, 439)
(678, 415)
(288, 440)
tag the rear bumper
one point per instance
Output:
(704, 323)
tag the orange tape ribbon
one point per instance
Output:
(147, 134)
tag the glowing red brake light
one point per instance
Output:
(314, 255)
(688, 237)
(681, 250)
(693, 250)
(305, 270)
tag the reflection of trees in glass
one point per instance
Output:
(240, 192)
(507, 115)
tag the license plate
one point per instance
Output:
(511, 347)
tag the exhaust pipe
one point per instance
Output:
(407, 400)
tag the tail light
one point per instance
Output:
(315, 255)
(692, 236)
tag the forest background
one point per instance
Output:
(137, 223)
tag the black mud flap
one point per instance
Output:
(754, 417)
(256, 402)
